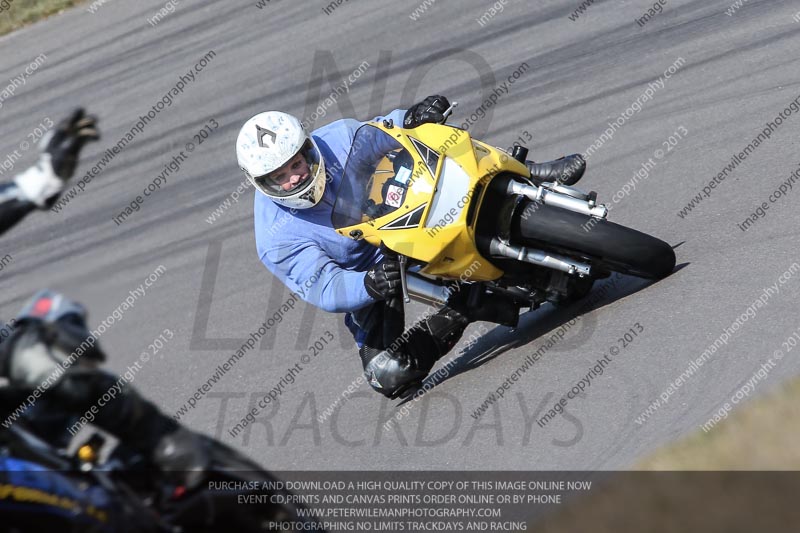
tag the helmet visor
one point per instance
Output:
(293, 177)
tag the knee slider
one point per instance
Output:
(389, 374)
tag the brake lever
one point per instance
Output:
(449, 111)
(403, 260)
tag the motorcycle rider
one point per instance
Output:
(298, 175)
(51, 328)
(51, 343)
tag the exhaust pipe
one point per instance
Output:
(423, 290)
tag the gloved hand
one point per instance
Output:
(383, 280)
(429, 111)
(65, 142)
(60, 149)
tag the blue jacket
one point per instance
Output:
(301, 248)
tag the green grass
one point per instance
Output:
(18, 13)
(762, 435)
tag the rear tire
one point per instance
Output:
(607, 245)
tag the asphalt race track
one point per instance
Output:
(730, 76)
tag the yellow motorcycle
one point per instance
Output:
(457, 211)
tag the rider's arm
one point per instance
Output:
(40, 185)
(129, 416)
(395, 116)
(298, 262)
(308, 271)
(14, 205)
(36, 353)
(35, 188)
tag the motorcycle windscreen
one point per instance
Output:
(376, 178)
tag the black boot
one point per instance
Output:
(402, 366)
(566, 171)
(392, 374)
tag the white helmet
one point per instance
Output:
(268, 141)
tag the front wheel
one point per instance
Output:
(606, 245)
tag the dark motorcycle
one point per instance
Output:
(94, 489)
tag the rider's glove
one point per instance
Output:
(60, 149)
(64, 144)
(383, 280)
(430, 110)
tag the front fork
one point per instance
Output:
(554, 195)
(422, 289)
